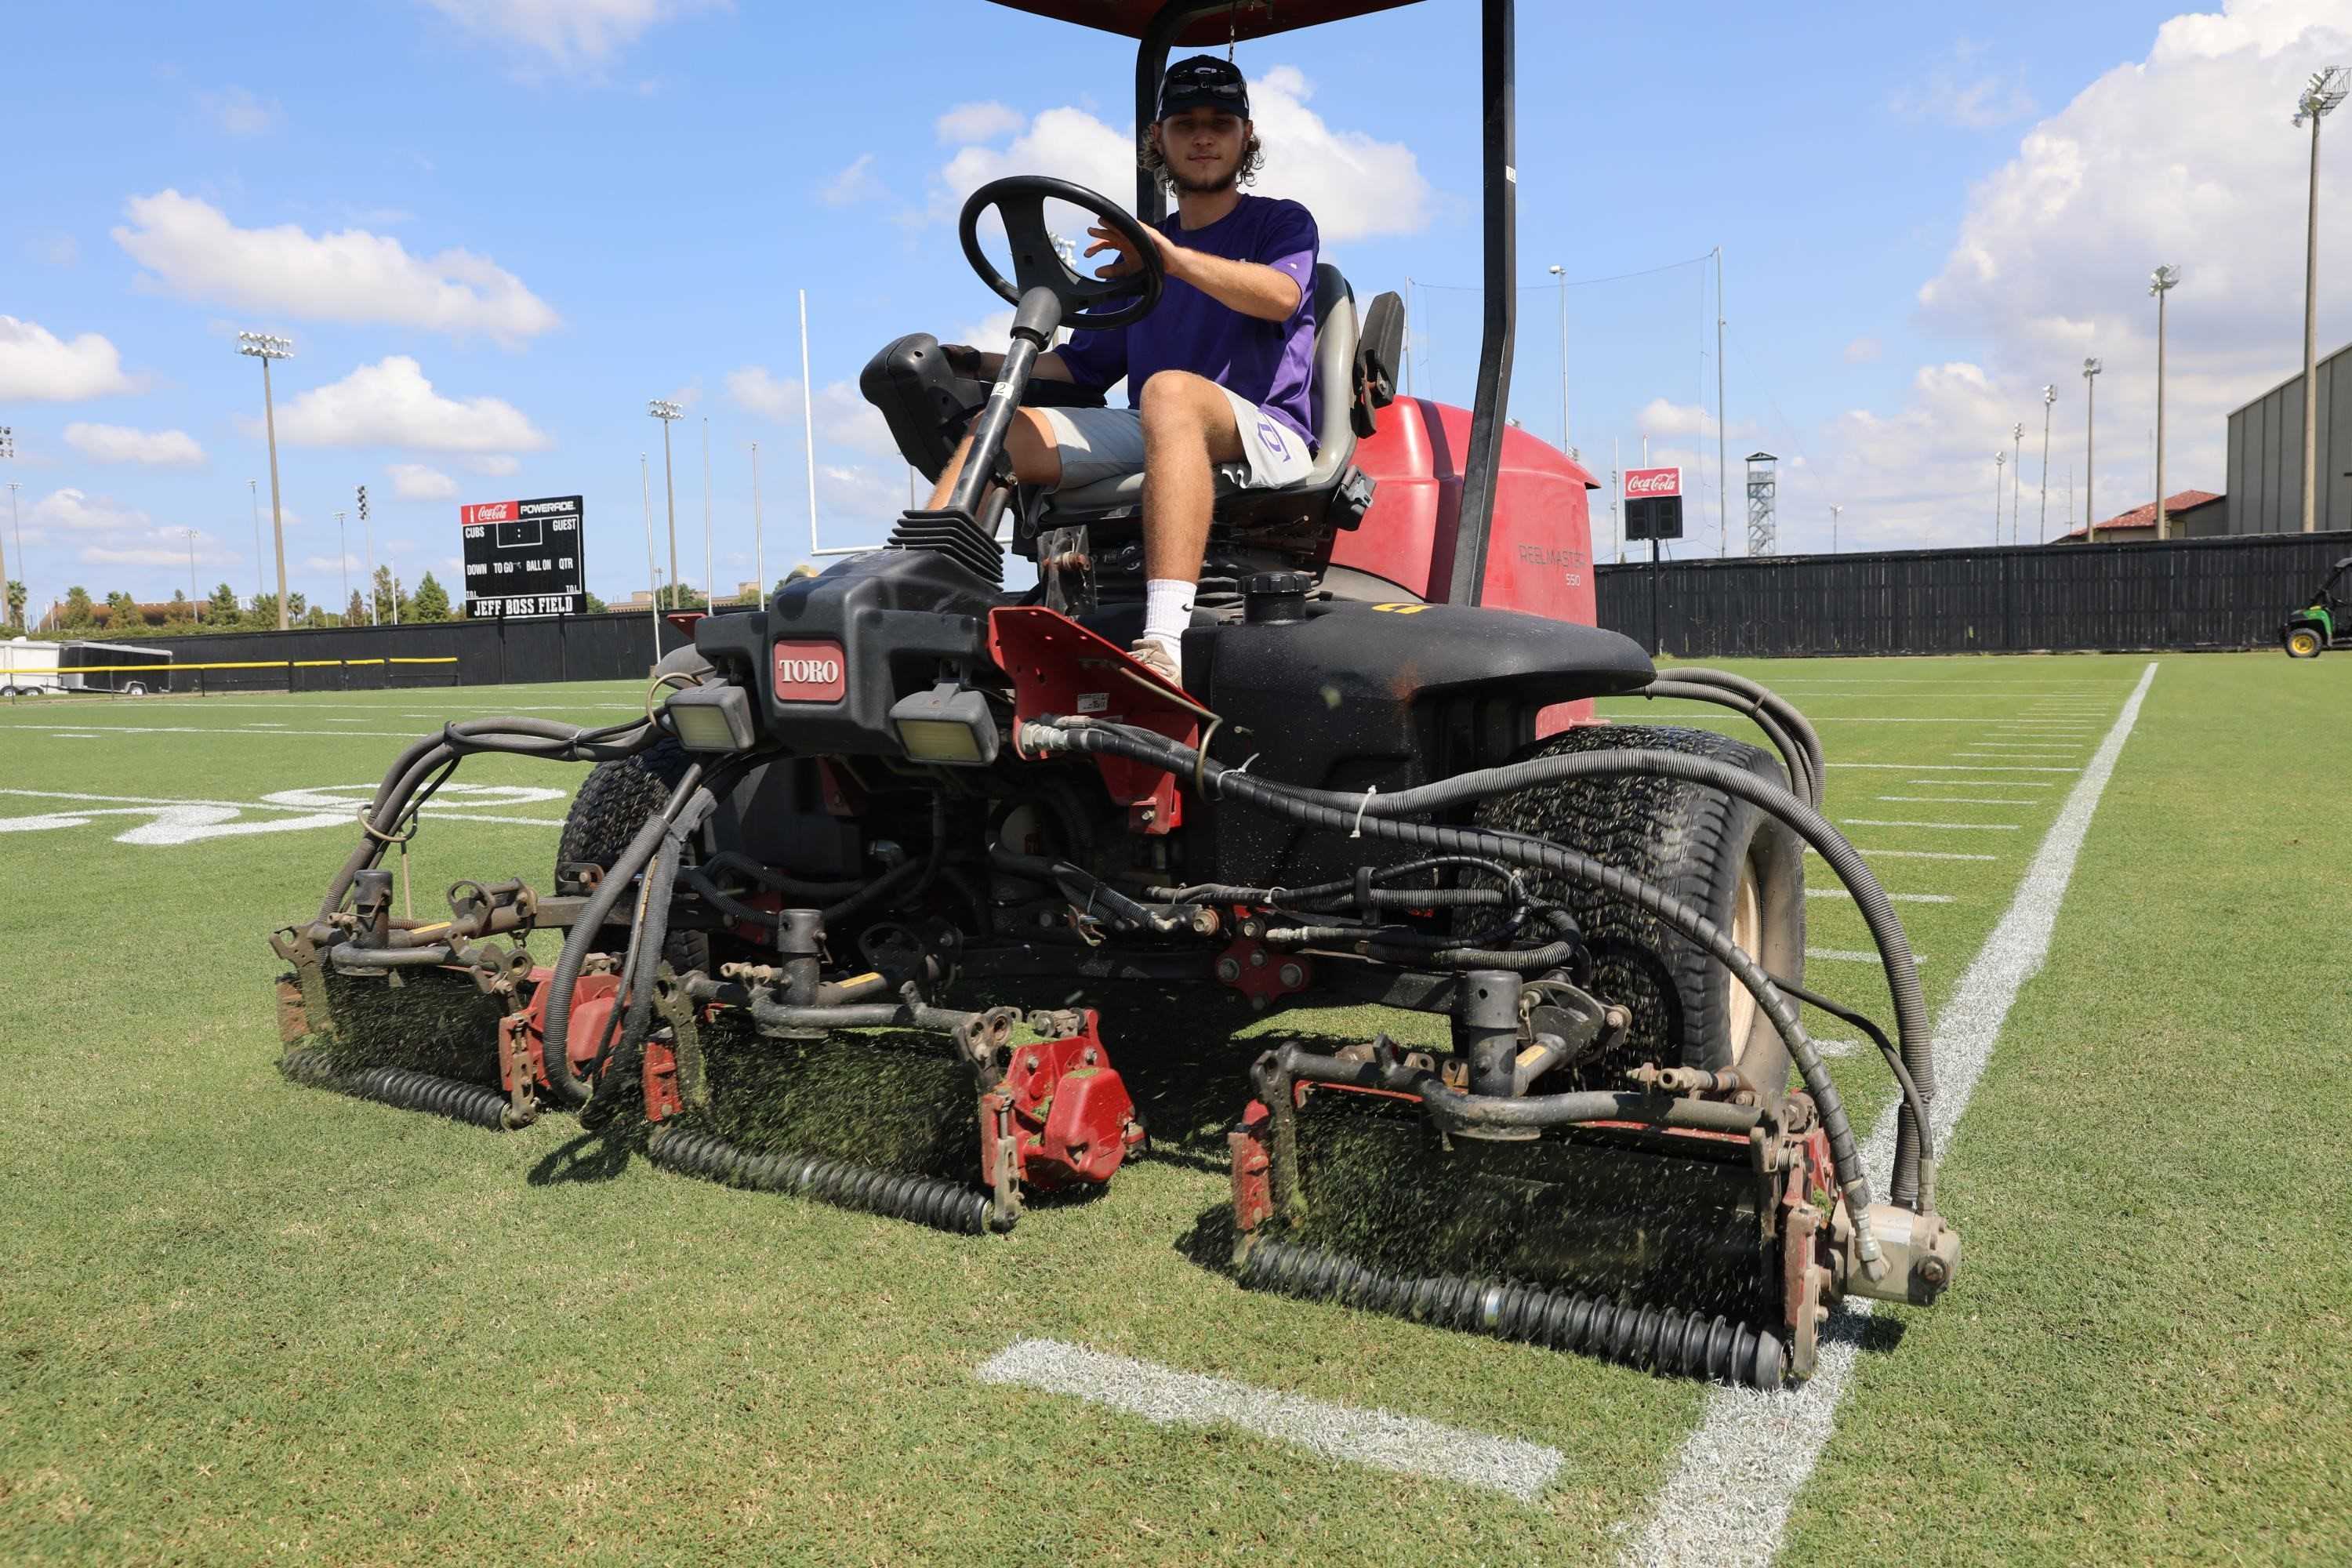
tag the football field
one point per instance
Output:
(243, 1320)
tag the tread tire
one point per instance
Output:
(1692, 842)
(613, 801)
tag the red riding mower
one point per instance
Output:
(897, 784)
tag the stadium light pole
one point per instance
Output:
(2016, 475)
(2000, 470)
(759, 537)
(265, 347)
(709, 577)
(8, 450)
(667, 412)
(1834, 510)
(367, 540)
(2091, 368)
(2160, 282)
(1562, 274)
(1722, 422)
(2042, 529)
(195, 606)
(2326, 89)
(343, 559)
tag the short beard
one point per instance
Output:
(1197, 187)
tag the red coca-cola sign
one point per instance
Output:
(488, 511)
(810, 672)
(1653, 482)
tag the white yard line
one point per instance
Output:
(1818, 718)
(429, 809)
(1961, 799)
(1727, 1501)
(1165, 1397)
(2012, 754)
(1965, 767)
(1944, 826)
(234, 730)
(1983, 784)
(1854, 955)
(1912, 853)
(1897, 897)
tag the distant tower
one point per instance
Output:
(1763, 491)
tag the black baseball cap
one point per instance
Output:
(1203, 81)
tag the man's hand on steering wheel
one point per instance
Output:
(1127, 261)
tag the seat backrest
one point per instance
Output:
(1335, 372)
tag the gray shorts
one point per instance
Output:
(1098, 443)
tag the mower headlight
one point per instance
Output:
(948, 723)
(712, 719)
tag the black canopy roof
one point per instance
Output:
(1244, 19)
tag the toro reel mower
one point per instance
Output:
(899, 789)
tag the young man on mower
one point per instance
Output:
(1220, 370)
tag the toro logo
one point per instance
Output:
(809, 672)
(1653, 482)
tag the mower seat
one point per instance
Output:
(1308, 499)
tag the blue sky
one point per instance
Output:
(495, 229)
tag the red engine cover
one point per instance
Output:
(593, 996)
(1540, 545)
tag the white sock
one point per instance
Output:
(1168, 611)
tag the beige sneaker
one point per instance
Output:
(1152, 654)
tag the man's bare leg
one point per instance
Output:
(1188, 426)
(1028, 440)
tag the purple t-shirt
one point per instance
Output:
(1272, 363)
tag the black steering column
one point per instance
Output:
(1044, 291)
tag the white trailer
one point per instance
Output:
(28, 668)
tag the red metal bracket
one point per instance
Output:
(1073, 1119)
(1059, 668)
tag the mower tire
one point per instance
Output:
(2303, 643)
(1742, 868)
(613, 803)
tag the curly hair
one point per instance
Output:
(1148, 158)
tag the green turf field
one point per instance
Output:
(244, 1321)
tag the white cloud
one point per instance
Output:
(415, 481)
(570, 34)
(121, 443)
(1979, 103)
(238, 112)
(1356, 187)
(1861, 351)
(190, 248)
(1663, 418)
(2184, 157)
(853, 185)
(844, 417)
(168, 547)
(977, 122)
(390, 404)
(37, 366)
(54, 250)
(992, 333)
(72, 510)
(497, 465)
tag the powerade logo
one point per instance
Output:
(810, 672)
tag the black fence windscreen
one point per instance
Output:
(2226, 593)
(619, 646)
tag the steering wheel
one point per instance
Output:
(1021, 199)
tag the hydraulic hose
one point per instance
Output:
(1455, 1111)
(1296, 806)
(1801, 778)
(1755, 694)
(567, 1084)
(1358, 812)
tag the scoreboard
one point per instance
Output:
(523, 557)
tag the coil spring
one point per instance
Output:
(925, 1200)
(468, 1102)
(1659, 1339)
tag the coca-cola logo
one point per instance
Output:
(1654, 481)
(491, 511)
(810, 672)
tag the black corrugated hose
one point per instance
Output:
(1298, 806)
(1352, 810)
